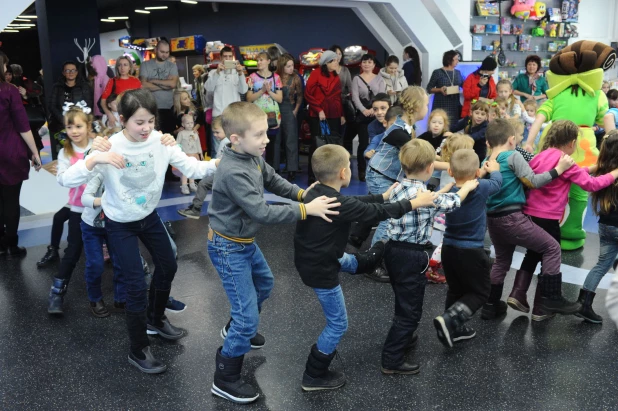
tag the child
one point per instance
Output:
(389, 120)
(319, 244)
(605, 87)
(494, 112)
(612, 99)
(546, 206)
(503, 107)
(518, 127)
(466, 264)
(475, 125)
(78, 123)
(189, 142)
(405, 256)
(236, 211)
(60, 217)
(195, 209)
(438, 126)
(509, 227)
(183, 105)
(530, 107)
(133, 184)
(514, 108)
(380, 105)
(112, 105)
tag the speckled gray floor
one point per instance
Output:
(79, 362)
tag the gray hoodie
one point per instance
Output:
(238, 206)
(396, 83)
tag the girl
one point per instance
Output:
(605, 87)
(189, 142)
(438, 124)
(475, 125)
(494, 112)
(290, 104)
(546, 205)
(514, 108)
(503, 107)
(265, 91)
(394, 78)
(133, 184)
(183, 105)
(605, 205)
(78, 122)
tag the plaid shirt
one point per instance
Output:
(417, 225)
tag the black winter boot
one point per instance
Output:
(50, 256)
(140, 355)
(369, 260)
(56, 296)
(157, 321)
(317, 376)
(257, 341)
(586, 312)
(494, 307)
(551, 295)
(452, 319)
(228, 384)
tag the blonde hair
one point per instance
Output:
(178, 109)
(238, 117)
(69, 119)
(453, 143)
(501, 101)
(495, 109)
(216, 122)
(328, 160)
(530, 103)
(464, 163)
(416, 155)
(264, 55)
(117, 67)
(442, 113)
(518, 126)
(411, 100)
(199, 68)
(511, 100)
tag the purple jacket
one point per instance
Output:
(14, 153)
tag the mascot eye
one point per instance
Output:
(143, 163)
(129, 164)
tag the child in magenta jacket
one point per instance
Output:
(546, 205)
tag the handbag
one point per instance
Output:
(360, 117)
(326, 136)
(271, 108)
(101, 98)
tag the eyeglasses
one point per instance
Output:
(485, 76)
(70, 71)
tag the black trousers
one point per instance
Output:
(74, 249)
(363, 142)
(314, 126)
(9, 214)
(406, 264)
(167, 120)
(60, 218)
(532, 259)
(467, 275)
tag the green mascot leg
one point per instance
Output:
(571, 229)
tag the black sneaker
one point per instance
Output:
(491, 311)
(404, 369)
(368, 261)
(190, 213)
(147, 363)
(50, 256)
(330, 381)
(257, 342)
(463, 333)
(166, 330)
(379, 275)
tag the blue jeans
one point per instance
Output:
(608, 236)
(378, 184)
(333, 306)
(247, 281)
(349, 264)
(94, 238)
(124, 249)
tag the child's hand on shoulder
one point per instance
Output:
(564, 163)
(491, 166)
(168, 140)
(321, 207)
(470, 185)
(424, 198)
(101, 144)
(388, 192)
(111, 158)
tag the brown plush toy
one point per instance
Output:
(582, 56)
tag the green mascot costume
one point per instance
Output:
(575, 77)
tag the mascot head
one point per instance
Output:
(582, 56)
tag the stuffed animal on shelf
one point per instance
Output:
(521, 9)
(538, 11)
(552, 30)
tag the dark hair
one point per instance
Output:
(3, 60)
(112, 97)
(226, 49)
(273, 53)
(336, 47)
(604, 200)
(561, 133)
(68, 62)
(133, 100)
(612, 94)
(393, 112)
(498, 132)
(382, 97)
(163, 40)
(369, 57)
(448, 56)
(325, 72)
(391, 59)
(17, 70)
(534, 58)
(416, 65)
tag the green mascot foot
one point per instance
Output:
(572, 233)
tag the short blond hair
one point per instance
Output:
(518, 126)
(327, 162)
(416, 155)
(216, 122)
(237, 118)
(453, 143)
(464, 164)
(199, 68)
(530, 103)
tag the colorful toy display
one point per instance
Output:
(521, 9)
(570, 12)
(538, 11)
(486, 9)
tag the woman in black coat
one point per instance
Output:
(70, 88)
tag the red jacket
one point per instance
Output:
(472, 91)
(324, 94)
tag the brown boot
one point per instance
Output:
(538, 313)
(518, 298)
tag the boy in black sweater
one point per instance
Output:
(318, 249)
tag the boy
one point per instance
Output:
(195, 209)
(236, 211)
(405, 256)
(465, 262)
(518, 128)
(381, 104)
(318, 246)
(475, 125)
(529, 114)
(509, 227)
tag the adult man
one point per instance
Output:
(160, 76)
(225, 87)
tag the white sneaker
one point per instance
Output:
(193, 187)
(184, 189)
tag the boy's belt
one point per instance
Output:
(212, 232)
(411, 246)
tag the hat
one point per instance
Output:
(327, 57)
(489, 64)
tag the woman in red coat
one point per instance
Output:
(323, 94)
(479, 84)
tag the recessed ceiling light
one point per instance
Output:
(108, 21)
(142, 11)
(27, 25)
(10, 31)
(12, 25)
(156, 8)
(119, 18)
(27, 17)
(188, 1)
(21, 19)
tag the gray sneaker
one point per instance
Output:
(190, 213)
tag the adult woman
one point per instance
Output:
(323, 94)
(440, 80)
(531, 84)
(394, 78)
(265, 91)
(16, 147)
(479, 84)
(122, 82)
(292, 99)
(412, 66)
(349, 111)
(199, 90)
(70, 88)
(364, 87)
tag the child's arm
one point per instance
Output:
(522, 170)
(582, 178)
(479, 134)
(191, 167)
(460, 125)
(354, 209)
(440, 165)
(89, 198)
(375, 142)
(82, 171)
(278, 185)
(534, 130)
